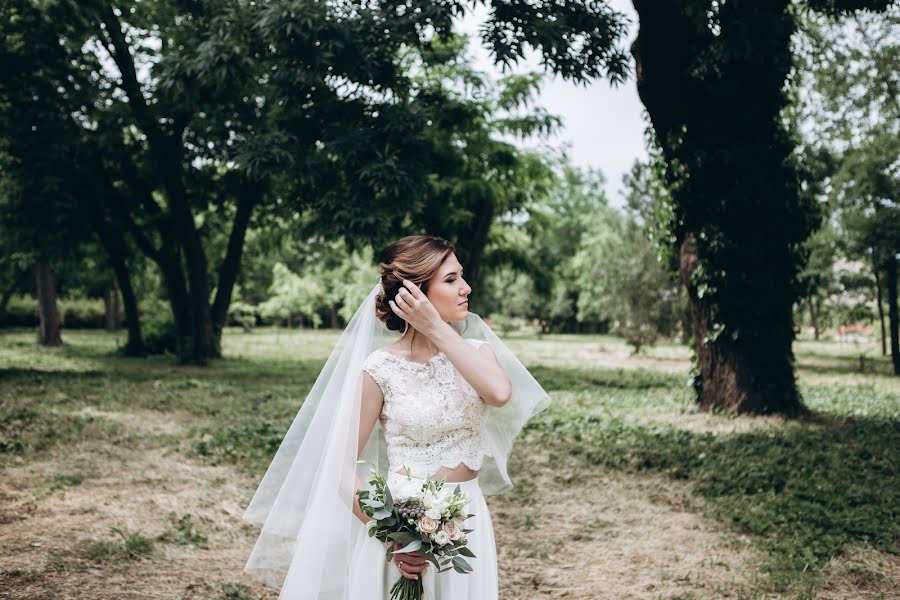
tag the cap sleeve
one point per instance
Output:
(374, 366)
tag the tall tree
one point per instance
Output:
(224, 106)
(712, 75)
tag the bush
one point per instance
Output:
(81, 313)
(74, 313)
(160, 334)
(21, 311)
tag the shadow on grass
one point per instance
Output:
(31, 375)
(806, 490)
(848, 367)
(575, 379)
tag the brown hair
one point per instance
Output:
(414, 257)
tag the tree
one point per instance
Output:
(191, 111)
(851, 114)
(712, 77)
(621, 280)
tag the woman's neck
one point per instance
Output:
(418, 344)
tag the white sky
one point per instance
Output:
(603, 127)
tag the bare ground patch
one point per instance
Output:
(597, 534)
(46, 536)
(861, 573)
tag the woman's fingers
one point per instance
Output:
(397, 310)
(409, 558)
(413, 561)
(410, 564)
(411, 571)
(414, 290)
(401, 298)
(413, 568)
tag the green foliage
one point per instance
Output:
(182, 531)
(541, 248)
(28, 429)
(131, 546)
(805, 490)
(160, 333)
(21, 311)
(293, 296)
(621, 280)
(848, 120)
(242, 443)
(334, 282)
(236, 591)
(75, 313)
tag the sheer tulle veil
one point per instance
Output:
(304, 502)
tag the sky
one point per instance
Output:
(603, 126)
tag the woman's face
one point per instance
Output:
(448, 291)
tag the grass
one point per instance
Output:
(804, 492)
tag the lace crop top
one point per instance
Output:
(431, 416)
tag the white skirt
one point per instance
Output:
(370, 571)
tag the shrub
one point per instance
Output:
(160, 334)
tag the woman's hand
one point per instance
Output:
(414, 307)
(409, 564)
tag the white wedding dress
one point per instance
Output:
(432, 418)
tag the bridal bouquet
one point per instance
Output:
(424, 518)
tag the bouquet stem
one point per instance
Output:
(408, 589)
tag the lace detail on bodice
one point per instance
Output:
(432, 417)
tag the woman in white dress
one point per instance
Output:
(445, 400)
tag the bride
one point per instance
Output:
(444, 400)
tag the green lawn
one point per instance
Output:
(802, 494)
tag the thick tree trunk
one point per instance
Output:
(890, 282)
(880, 300)
(731, 376)
(728, 164)
(48, 313)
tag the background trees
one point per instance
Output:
(256, 154)
(712, 76)
(190, 117)
(849, 119)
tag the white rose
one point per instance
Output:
(429, 499)
(441, 538)
(403, 489)
(433, 513)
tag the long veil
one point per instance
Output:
(304, 503)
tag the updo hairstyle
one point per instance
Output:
(414, 257)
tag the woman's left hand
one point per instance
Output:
(415, 308)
